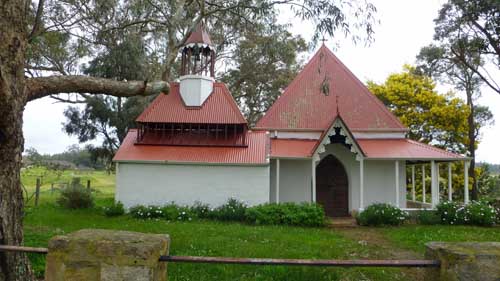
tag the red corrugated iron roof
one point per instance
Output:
(292, 148)
(255, 153)
(219, 108)
(303, 105)
(403, 149)
(199, 35)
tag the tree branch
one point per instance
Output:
(38, 19)
(471, 67)
(40, 87)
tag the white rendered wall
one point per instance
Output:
(295, 180)
(159, 184)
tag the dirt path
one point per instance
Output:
(375, 237)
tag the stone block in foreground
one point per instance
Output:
(471, 261)
(106, 255)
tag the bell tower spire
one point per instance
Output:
(197, 67)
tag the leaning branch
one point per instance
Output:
(40, 87)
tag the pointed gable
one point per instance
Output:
(219, 108)
(310, 101)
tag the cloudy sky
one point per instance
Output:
(405, 27)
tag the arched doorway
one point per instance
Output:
(332, 187)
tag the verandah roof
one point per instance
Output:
(383, 149)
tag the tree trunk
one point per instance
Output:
(472, 144)
(13, 266)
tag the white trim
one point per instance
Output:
(450, 187)
(361, 183)
(434, 185)
(417, 159)
(423, 184)
(290, 158)
(321, 148)
(413, 182)
(167, 162)
(313, 181)
(296, 135)
(379, 135)
(466, 182)
(397, 182)
(277, 180)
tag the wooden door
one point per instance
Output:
(332, 187)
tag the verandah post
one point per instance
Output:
(423, 183)
(413, 183)
(277, 180)
(313, 181)
(397, 182)
(466, 182)
(361, 183)
(450, 189)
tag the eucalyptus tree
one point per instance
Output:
(457, 63)
(43, 44)
(476, 21)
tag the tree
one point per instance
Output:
(476, 21)
(431, 117)
(265, 63)
(110, 117)
(83, 25)
(446, 63)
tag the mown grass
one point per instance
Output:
(204, 238)
(414, 237)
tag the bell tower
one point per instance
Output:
(197, 67)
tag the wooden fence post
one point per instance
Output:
(37, 191)
(88, 185)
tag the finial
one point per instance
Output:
(323, 40)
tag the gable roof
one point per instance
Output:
(303, 105)
(256, 153)
(218, 108)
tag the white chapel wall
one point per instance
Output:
(159, 184)
(295, 180)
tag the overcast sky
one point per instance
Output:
(405, 27)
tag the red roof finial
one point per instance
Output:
(199, 36)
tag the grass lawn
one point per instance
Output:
(414, 237)
(219, 239)
(207, 238)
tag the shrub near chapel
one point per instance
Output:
(381, 214)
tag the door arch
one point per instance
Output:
(332, 187)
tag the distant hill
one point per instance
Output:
(494, 168)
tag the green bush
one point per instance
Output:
(474, 213)
(200, 210)
(428, 217)
(232, 210)
(381, 214)
(146, 212)
(450, 212)
(479, 213)
(75, 196)
(116, 209)
(304, 214)
(177, 213)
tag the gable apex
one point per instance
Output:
(310, 100)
